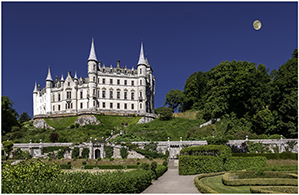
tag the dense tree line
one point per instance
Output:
(244, 91)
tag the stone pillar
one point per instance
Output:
(40, 147)
(181, 143)
(246, 137)
(102, 151)
(90, 149)
(280, 144)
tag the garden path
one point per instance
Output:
(173, 183)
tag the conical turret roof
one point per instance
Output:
(141, 56)
(35, 88)
(92, 54)
(49, 77)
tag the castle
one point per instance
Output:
(106, 90)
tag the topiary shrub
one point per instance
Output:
(75, 152)
(108, 151)
(208, 150)
(239, 163)
(165, 163)
(123, 153)
(85, 152)
(54, 137)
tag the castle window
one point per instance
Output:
(118, 106)
(125, 71)
(111, 105)
(71, 105)
(53, 98)
(140, 71)
(111, 81)
(94, 91)
(104, 94)
(81, 94)
(104, 104)
(125, 95)
(132, 83)
(94, 79)
(118, 82)
(58, 107)
(118, 95)
(125, 82)
(111, 94)
(132, 72)
(132, 96)
(98, 80)
(94, 67)
(103, 81)
(94, 103)
(68, 95)
(58, 97)
(81, 105)
(132, 106)
(111, 70)
(140, 93)
(68, 83)
(140, 82)
(140, 106)
(65, 106)
(125, 106)
(98, 93)
(53, 108)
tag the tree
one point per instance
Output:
(24, 117)
(7, 146)
(174, 99)
(285, 97)
(54, 137)
(9, 115)
(123, 153)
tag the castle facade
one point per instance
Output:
(106, 90)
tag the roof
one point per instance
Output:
(141, 56)
(92, 54)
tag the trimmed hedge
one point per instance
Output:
(221, 151)
(191, 165)
(89, 166)
(147, 153)
(258, 181)
(160, 170)
(111, 166)
(65, 166)
(239, 163)
(274, 190)
(284, 155)
(203, 188)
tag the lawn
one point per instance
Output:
(216, 184)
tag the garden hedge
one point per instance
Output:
(160, 170)
(111, 166)
(190, 165)
(147, 153)
(221, 151)
(258, 181)
(274, 189)
(65, 166)
(203, 188)
(284, 155)
(239, 163)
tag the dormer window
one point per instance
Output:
(68, 83)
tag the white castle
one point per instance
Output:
(106, 90)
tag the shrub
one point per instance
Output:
(165, 163)
(148, 154)
(283, 155)
(111, 159)
(54, 137)
(7, 146)
(123, 153)
(274, 189)
(191, 165)
(108, 151)
(60, 154)
(164, 113)
(145, 166)
(203, 188)
(160, 170)
(85, 152)
(239, 163)
(64, 166)
(69, 163)
(99, 158)
(151, 158)
(75, 152)
(89, 166)
(83, 162)
(217, 140)
(275, 136)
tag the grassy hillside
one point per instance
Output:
(61, 123)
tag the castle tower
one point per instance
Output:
(92, 75)
(49, 85)
(35, 96)
(141, 69)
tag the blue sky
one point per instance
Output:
(179, 39)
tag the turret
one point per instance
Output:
(49, 83)
(141, 65)
(92, 74)
(35, 95)
(49, 80)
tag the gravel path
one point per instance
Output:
(171, 182)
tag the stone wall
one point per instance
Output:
(87, 120)
(41, 124)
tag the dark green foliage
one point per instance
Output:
(9, 115)
(117, 166)
(217, 140)
(284, 155)
(7, 146)
(152, 146)
(85, 153)
(164, 113)
(208, 150)
(75, 152)
(65, 166)
(108, 151)
(148, 154)
(123, 153)
(239, 163)
(54, 137)
(165, 163)
(89, 166)
(191, 165)
(83, 162)
(24, 117)
(153, 167)
(257, 147)
(274, 189)
(160, 170)
(145, 166)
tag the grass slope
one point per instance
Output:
(61, 123)
(216, 184)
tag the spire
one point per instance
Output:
(141, 56)
(35, 88)
(62, 79)
(92, 54)
(76, 75)
(49, 77)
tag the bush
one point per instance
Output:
(217, 140)
(75, 152)
(191, 165)
(4, 157)
(164, 113)
(160, 170)
(165, 163)
(274, 189)
(54, 137)
(69, 163)
(88, 166)
(7, 146)
(208, 150)
(148, 154)
(145, 166)
(138, 163)
(239, 163)
(83, 162)
(123, 153)
(65, 166)
(99, 158)
(108, 151)
(284, 155)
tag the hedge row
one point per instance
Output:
(284, 155)
(203, 188)
(274, 190)
(239, 163)
(160, 170)
(111, 166)
(221, 151)
(190, 165)
(65, 166)
(52, 148)
(148, 153)
(258, 181)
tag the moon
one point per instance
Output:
(257, 25)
